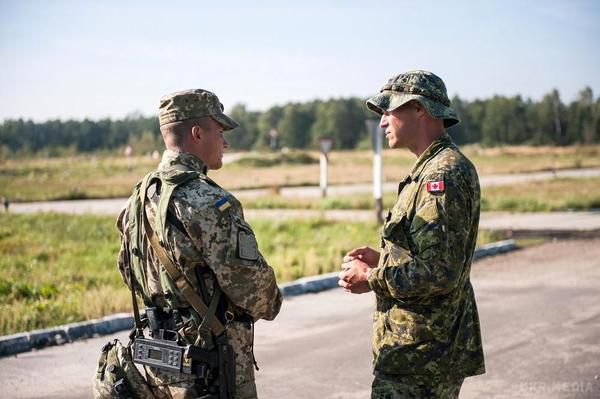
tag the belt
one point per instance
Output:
(167, 318)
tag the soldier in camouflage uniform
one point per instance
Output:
(207, 238)
(426, 335)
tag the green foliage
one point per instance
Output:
(294, 126)
(341, 120)
(247, 133)
(57, 137)
(496, 121)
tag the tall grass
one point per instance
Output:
(57, 269)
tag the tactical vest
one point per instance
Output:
(139, 230)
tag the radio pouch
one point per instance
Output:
(117, 376)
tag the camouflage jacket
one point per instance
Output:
(213, 239)
(426, 322)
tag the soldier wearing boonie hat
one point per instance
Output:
(426, 334)
(422, 86)
(199, 229)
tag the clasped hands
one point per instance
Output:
(355, 269)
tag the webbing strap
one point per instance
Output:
(180, 280)
(160, 221)
(212, 308)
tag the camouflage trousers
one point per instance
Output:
(400, 387)
(169, 385)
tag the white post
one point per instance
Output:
(325, 143)
(323, 179)
(377, 137)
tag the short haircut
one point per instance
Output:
(176, 132)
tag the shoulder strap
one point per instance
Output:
(173, 271)
(135, 213)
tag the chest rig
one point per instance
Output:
(210, 357)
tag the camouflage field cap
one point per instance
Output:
(423, 86)
(189, 104)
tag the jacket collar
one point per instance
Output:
(172, 158)
(444, 141)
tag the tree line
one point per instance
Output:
(499, 120)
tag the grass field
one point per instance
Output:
(109, 177)
(57, 269)
(550, 195)
(544, 196)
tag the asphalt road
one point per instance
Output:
(112, 206)
(540, 319)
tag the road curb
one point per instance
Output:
(37, 339)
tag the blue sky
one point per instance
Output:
(95, 59)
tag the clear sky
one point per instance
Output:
(109, 58)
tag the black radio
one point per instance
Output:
(162, 354)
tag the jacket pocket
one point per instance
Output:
(402, 341)
(393, 231)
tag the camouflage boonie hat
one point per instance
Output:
(189, 104)
(423, 86)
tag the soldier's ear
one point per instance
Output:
(196, 132)
(420, 108)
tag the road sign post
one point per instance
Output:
(376, 138)
(325, 143)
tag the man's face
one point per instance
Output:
(400, 126)
(212, 144)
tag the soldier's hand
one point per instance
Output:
(354, 277)
(367, 254)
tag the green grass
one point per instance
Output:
(297, 248)
(543, 196)
(57, 269)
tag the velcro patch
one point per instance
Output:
(247, 247)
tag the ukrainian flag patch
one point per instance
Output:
(223, 203)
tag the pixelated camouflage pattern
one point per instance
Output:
(423, 86)
(414, 388)
(189, 104)
(426, 321)
(210, 240)
(115, 364)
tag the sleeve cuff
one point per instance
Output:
(373, 281)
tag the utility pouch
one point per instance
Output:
(117, 376)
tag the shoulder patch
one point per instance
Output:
(223, 203)
(435, 186)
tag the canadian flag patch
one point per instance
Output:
(435, 186)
